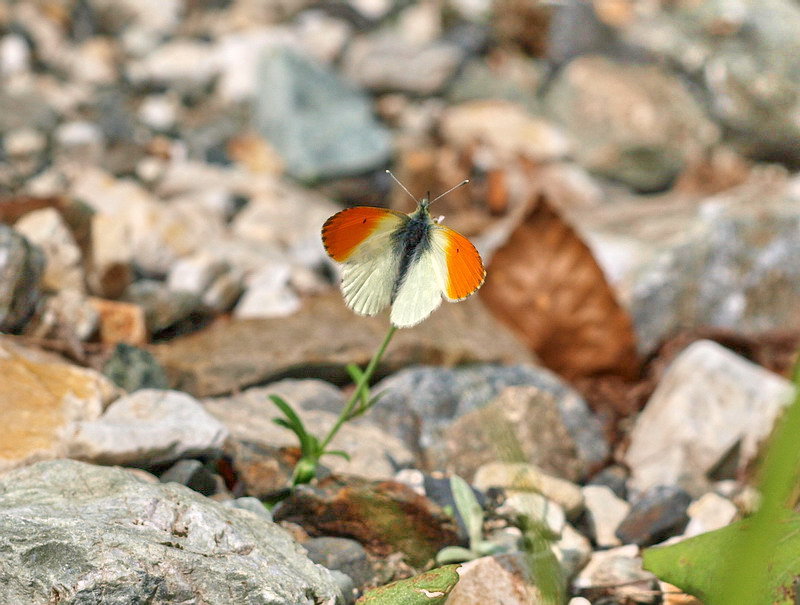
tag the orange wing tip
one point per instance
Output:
(465, 269)
(345, 230)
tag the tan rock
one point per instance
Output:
(498, 580)
(324, 336)
(120, 322)
(40, 397)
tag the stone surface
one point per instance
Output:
(386, 63)
(92, 531)
(560, 436)
(616, 573)
(63, 262)
(546, 514)
(497, 580)
(195, 273)
(21, 269)
(231, 355)
(111, 253)
(709, 402)
(511, 476)
(573, 550)
(68, 314)
(268, 294)
(658, 513)
(373, 453)
(744, 54)
(347, 556)
(193, 474)
(709, 512)
(604, 512)
(120, 322)
(321, 126)
(385, 517)
(132, 369)
(147, 428)
(633, 123)
(162, 307)
(40, 398)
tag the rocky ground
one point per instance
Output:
(165, 168)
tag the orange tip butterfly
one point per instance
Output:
(408, 261)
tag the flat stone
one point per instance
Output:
(709, 512)
(232, 355)
(498, 579)
(385, 517)
(604, 512)
(373, 453)
(41, 396)
(21, 269)
(511, 476)
(709, 402)
(94, 531)
(657, 514)
(147, 428)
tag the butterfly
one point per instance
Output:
(408, 261)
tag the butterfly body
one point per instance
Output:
(408, 261)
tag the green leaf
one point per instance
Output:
(455, 554)
(467, 505)
(296, 424)
(339, 453)
(697, 567)
(357, 377)
(430, 588)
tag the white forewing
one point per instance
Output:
(421, 291)
(369, 274)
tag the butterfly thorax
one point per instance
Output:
(412, 240)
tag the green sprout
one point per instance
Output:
(313, 448)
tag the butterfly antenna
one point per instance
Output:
(461, 184)
(389, 172)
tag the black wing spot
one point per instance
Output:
(364, 221)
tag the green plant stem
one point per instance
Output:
(360, 385)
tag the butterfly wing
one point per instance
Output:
(464, 268)
(449, 267)
(361, 239)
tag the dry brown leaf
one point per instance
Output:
(545, 283)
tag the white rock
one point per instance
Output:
(148, 427)
(24, 141)
(322, 36)
(579, 601)
(604, 512)
(708, 513)
(80, 141)
(709, 400)
(180, 63)
(46, 228)
(107, 194)
(513, 476)
(112, 256)
(159, 112)
(268, 294)
(195, 273)
(618, 569)
(537, 508)
(573, 551)
(15, 55)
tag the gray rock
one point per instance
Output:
(320, 126)
(254, 505)
(421, 404)
(343, 554)
(21, 268)
(268, 293)
(635, 124)
(657, 514)
(93, 531)
(147, 428)
(162, 307)
(193, 474)
(133, 368)
(710, 402)
(747, 55)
